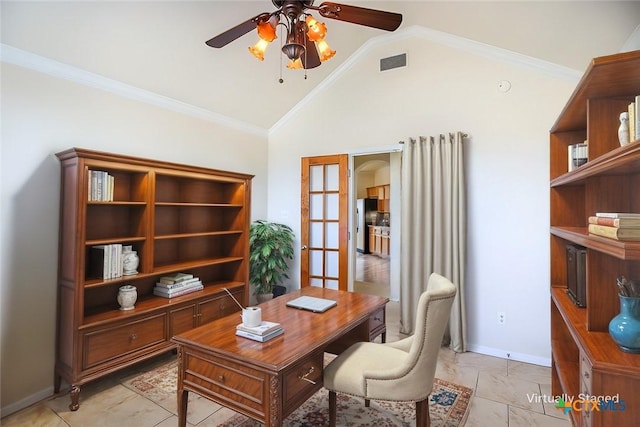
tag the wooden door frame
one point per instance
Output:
(342, 160)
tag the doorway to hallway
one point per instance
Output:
(372, 275)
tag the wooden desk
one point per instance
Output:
(268, 381)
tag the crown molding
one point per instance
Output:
(442, 38)
(25, 59)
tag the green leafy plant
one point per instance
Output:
(270, 246)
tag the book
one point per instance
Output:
(636, 121)
(101, 186)
(577, 155)
(177, 285)
(177, 292)
(631, 110)
(99, 262)
(622, 222)
(178, 277)
(260, 338)
(617, 215)
(116, 260)
(615, 232)
(264, 328)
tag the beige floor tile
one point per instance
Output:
(550, 408)
(464, 375)
(215, 419)
(172, 422)
(529, 372)
(509, 390)
(484, 412)
(116, 406)
(519, 417)
(39, 415)
(483, 362)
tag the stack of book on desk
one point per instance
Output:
(618, 226)
(263, 332)
(176, 285)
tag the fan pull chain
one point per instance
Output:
(280, 80)
(305, 55)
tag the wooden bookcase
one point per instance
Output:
(585, 360)
(179, 219)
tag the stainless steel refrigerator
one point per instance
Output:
(366, 212)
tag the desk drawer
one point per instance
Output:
(237, 386)
(105, 344)
(377, 324)
(302, 381)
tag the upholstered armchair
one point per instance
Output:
(401, 370)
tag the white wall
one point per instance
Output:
(42, 115)
(446, 89)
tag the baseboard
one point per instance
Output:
(506, 354)
(27, 401)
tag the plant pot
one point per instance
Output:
(625, 327)
(264, 297)
(279, 290)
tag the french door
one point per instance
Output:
(324, 222)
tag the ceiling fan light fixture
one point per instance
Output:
(258, 49)
(325, 51)
(304, 42)
(316, 30)
(293, 50)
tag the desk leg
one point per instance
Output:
(183, 395)
(275, 404)
(183, 399)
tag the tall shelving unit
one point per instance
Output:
(585, 360)
(177, 218)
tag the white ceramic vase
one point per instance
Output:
(623, 130)
(127, 296)
(130, 262)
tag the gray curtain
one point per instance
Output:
(433, 226)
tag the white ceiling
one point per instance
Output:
(159, 46)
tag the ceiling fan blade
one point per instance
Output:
(238, 31)
(310, 59)
(389, 21)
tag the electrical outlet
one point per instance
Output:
(502, 318)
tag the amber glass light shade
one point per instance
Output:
(258, 49)
(324, 50)
(317, 30)
(295, 65)
(266, 32)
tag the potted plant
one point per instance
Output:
(270, 246)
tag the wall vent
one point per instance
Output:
(391, 62)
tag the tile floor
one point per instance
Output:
(503, 390)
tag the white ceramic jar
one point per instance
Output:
(127, 296)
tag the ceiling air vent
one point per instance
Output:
(391, 62)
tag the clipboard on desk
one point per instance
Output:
(317, 305)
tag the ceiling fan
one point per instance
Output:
(304, 45)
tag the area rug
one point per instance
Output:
(448, 404)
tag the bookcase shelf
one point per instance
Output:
(178, 218)
(585, 360)
(628, 251)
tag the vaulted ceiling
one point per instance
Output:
(159, 46)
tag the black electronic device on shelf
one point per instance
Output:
(577, 274)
